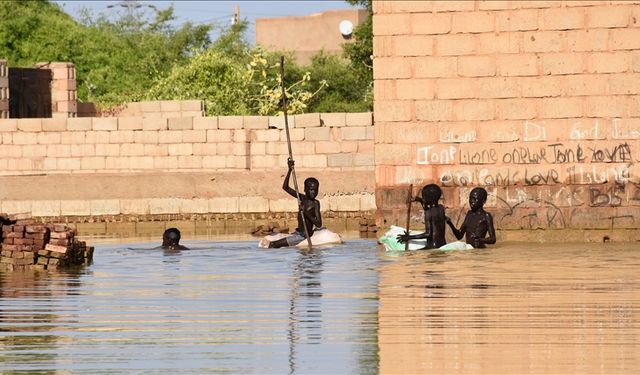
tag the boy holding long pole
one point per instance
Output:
(308, 206)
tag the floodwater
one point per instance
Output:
(231, 308)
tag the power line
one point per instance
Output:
(228, 16)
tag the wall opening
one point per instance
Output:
(29, 93)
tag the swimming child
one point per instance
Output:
(434, 219)
(477, 223)
(171, 239)
(309, 206)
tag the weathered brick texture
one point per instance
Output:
(4, 89)
(538, 101)
(129, 144)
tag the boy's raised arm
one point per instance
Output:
(285, 183)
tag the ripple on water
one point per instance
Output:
(225, 307)
(229, 307)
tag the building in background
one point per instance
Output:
(305, 36)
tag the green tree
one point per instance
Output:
(345, 90)
(36, 31)
(133, 52)
(117, 55)
(360, 51)
(210, 76)
(142, 46)
(235, 79)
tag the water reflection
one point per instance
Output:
(305, 308)
(229, 307)
(28, 320)
(221, 307)
(511, 309)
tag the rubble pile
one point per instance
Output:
(27, 244)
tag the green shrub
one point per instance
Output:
(137, 54)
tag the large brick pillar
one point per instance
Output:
(64, 101)
(522, 98)
(4, 89)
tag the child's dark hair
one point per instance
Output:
(431, 193)
(171, 235)
(311, 180)
(481, 191)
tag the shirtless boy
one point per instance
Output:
(477, 223)
(434, 219)
(309, 206)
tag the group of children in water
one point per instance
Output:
(477, 227)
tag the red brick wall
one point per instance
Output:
(537, 101)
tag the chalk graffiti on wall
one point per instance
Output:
(534, 131)
(624, 131)
(554, 153)
(449, 136)
(437, 154)
(582, 130)
(535, 208)
(606, 196)
(540, 179)
(507, 176)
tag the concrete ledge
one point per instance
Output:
(71, 195)
(188, 185)
(198, 224)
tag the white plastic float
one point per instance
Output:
(320, 237)
(390, 241)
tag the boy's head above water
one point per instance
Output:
(171, 237)
(477, 198)
(431, 194)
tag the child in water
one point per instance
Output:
(309, 206)
(434, 219)
(477, 223)
(171, 239)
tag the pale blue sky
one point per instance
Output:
(219, 12)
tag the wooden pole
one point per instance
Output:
(409, 201)
(293, 171)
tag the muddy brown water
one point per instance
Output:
(229, 307)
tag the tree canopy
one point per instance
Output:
(360, 52)
(115, 59)
(135, 52)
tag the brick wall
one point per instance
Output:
(64, 101)
(4, 89)
(164, 109)
(73, 158)
(338, 141)
(538, 101)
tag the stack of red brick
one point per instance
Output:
(27, 244)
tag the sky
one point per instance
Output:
(219, 12)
